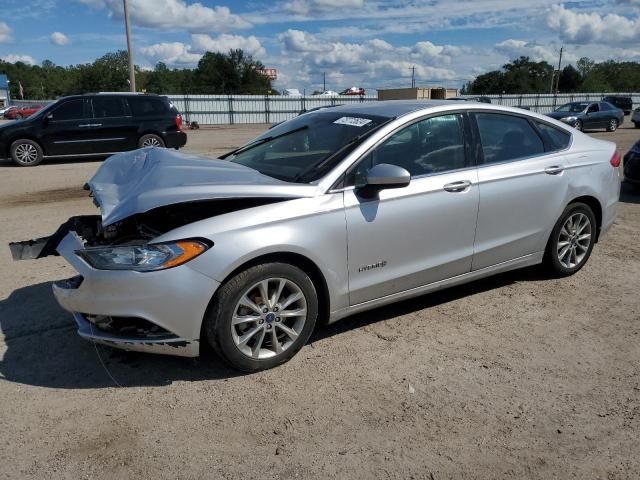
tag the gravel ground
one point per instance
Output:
(515, 376)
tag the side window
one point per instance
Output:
(71, 110)
(144, 106)
(104, 107)
(507, 137)
(593, 108)
(554, 137)
(432, 145)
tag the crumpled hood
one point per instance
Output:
(141, 180)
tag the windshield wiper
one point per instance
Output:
(323, 162)
(262, 141)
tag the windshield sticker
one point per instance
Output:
(353, 121)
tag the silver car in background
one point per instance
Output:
(331, 213)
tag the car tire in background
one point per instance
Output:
(18, 116)
(150, 140)
(613, 125)
(572, 240)
(578, 125)
(26, 153)
(240, 323)
(636, 124)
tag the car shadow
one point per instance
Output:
(629, 193)
(8, 163)
(43, 348)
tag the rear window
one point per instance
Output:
(104, 107)
(142, 106)
(554, 137)
(506, 138)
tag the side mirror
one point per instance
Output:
(48, 117)
(384, 176)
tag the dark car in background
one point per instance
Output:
(622, 102)
(589, 115)
(93, 125)
(632, 164)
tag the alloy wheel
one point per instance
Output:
(578, 125)
(26, 153)
(574, 240)
(268, 318)
(613, 125)
(151, 142)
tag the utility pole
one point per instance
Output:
(324, 82)
(132, 73)
(413, 76)
(559, 65)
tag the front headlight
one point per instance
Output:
(569, 119)
(143, 257)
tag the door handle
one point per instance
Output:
(460, 186)
(554, 170)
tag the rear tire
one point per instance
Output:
(26, 153)
(569, 248)
(150, 140)
(230, 320)
(613, 125)
(636, 124)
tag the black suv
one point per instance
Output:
(92, 125)
(623, 103)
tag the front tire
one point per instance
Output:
(613, 125)
(262, 317)
(26, 153)
(18, 116)
(578, 125)
(572, 240)
(636, 124)
(150, 140)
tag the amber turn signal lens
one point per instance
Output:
(190, 249)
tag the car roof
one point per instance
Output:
(390, 108)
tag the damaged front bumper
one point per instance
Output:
(153, 312)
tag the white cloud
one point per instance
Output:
(517, 48)
(305, 7)
(60, 39)
(14, 58)
(5, 33)
(174, 14)
(172, 53)
(374, 60)
(225, 42)
(582, 27)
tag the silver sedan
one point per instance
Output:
(331, 213)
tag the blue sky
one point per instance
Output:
(356, 42)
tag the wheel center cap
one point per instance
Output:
(270, 317)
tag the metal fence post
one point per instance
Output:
(537, 102)
(230, 101)
(266, 109)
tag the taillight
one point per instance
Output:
(179, 121)
(615, 160)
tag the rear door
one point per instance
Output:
(113, 127)
(67, 128)
(522, 186)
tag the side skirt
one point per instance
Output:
(520, 262)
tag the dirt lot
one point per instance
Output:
(517, 376)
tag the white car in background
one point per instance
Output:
(291, 92)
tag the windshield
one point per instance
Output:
(573, 107)
(291, 151)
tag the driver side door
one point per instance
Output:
(404, 238)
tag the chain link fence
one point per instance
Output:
(545, 103)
